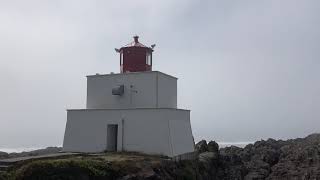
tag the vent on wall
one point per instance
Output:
(118, 91)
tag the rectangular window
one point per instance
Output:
(121, 58)
(148, 59)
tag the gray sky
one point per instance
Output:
(247, 69)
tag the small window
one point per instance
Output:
(148, 59)
(121, 58)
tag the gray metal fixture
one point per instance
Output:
(118, 91)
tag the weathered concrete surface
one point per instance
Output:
(159, 131)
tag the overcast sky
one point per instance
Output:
(248, 69)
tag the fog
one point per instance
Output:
(248, 70)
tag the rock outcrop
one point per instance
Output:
(4, 155)
(202, 146)
(270, 159)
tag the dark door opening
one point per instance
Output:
(112, 137)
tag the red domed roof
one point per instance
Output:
(136, 43)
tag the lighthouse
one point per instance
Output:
(134, 110)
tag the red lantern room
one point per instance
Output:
(135, 57)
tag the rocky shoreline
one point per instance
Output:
(266, 159)
(270, 159)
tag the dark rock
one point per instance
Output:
(213, 147)
(3, 155)
(299, 159)
(231, 165)
(272, 159)
(257, 169)
(211, 157)
(145, 174)
(201, 146)
(208, 157)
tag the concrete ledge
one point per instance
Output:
(130, 73)
(173, 109)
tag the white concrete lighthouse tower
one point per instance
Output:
(135, 110)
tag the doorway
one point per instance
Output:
(112, 137)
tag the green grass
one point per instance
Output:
(66, 169)
(84, 166)
(100, 166)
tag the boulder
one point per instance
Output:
(213, 147)
(201, 146)
(3, 155)
(208, 157)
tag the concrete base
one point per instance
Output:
(161, 131)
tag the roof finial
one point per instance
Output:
(136, 38)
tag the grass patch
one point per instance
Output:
(65, 169)
(96, 166)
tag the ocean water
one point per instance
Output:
(238, 144)
(18, 150)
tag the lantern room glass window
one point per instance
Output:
(148, 59)
(121, 58)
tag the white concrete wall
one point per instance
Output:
(86, 131)
(179, 136)
(153, 131)
(167, 91)
(142, 90)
